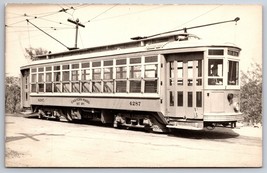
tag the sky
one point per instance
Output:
(115, 23)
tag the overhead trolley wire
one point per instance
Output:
(198, 16)
(102, 13)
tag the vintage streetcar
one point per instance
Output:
(157, 83)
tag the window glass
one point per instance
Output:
(65, 67)
(48, 68)
(40, 77)
(108, 63)
(75, 66)
(75, 87)
(151, 86)
(33, 70)
(171, 98)
(96, 74)
(41, 87)
(135, 72)
(151, 59)
(48, 87)
(108, 87)
(171, 69)
(34, 76)
(108, 73)
(233, 53)
(120, 61)
(215, 72)
(215, 52)
(66, 87)
(151, 71)
(180, 98)
(199, 72)
(135, 86)
(75, 75)
(121, 72)
(135, 60)
(96, 87)
(57, 87)
(189, 73)
(199, 99)
(33, 88)
(233, 73)
(96, 64)
(85, 74)
(199, 68)
(180, 72)
(56, 76)
(85, 65)
(65, 76)
(121, 86)
(48, 77)
(189, 99)
(40, 69)
(57, 67)
(85, 87)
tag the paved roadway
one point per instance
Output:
(33, 142)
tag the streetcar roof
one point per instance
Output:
(134, 43)
(157, 43)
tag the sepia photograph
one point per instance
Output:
(133, 85)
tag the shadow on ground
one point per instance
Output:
(217, 133)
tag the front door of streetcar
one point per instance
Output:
(185, 85)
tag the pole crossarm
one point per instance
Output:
(77, 27)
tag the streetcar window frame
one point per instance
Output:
(233, 72)
(136, 74)
(216, 71)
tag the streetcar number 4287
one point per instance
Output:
(135, 103)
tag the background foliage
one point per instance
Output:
(12, 94)
(251, 94)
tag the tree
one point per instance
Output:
(251, 94)
(12, 94)
(31, 52)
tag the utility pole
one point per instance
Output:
(77, 26)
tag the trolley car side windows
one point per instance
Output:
(215, 72)
(233, 75)
(128, 75)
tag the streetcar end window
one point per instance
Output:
(215, 72)
(233, 75)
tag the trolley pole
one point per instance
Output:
(77, 27)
